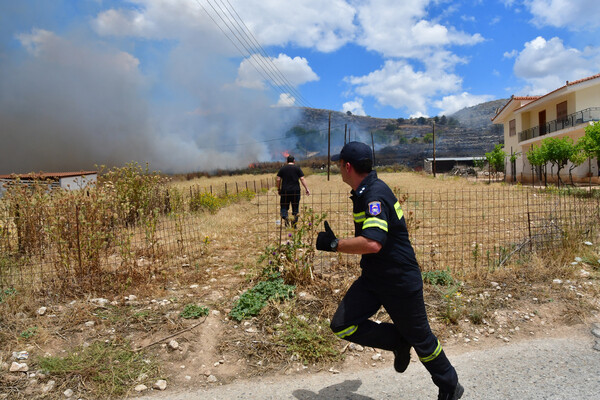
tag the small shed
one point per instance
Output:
(446, 164)
(64, 180)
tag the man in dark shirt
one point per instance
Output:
(390, 277)
(289, 189)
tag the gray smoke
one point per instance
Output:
(70, 104)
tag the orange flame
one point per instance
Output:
(285, 153)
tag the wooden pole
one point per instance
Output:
(373, 146)
(433, 165)
(345, 132)
(329, 146)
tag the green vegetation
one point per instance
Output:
(107, 370)
(253, 300)
(312, 342)
(29, 332)
(560, 151)
(6, 293)
(438, 277)
(193, 311)
(495, 159)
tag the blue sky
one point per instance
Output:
(166, 81)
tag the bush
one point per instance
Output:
(437, 277)
(193, 311)
(253, 300)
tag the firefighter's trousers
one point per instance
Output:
(410, 327)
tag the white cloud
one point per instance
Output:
(406, 20)
(151, 19)
(546, 64)
(450, 104)
(510, 54)
(579, 15)
(295, 71)
(399, 85)
(324, 25)
(355, 107)
(285, 100)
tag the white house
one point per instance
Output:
(564, 112)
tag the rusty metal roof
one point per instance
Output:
(47, 175)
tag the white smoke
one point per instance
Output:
(70, 102)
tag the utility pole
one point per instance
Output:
(329, 146)
(345, 131)
(373, 146)
(433, 165)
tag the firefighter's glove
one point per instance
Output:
(326, 241)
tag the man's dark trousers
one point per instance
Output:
(410, 327)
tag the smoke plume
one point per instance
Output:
(68, 103)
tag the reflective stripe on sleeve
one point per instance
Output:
(346, 332)
(359, 217)
(375, 223)
(433, 355)
(399, 211)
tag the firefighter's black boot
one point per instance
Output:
(401, 359)
(455, 395)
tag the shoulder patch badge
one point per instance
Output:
(375, 208)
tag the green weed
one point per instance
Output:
(106, 370)
(6, 293)
(193, 311)
(452, 308)
(438, 277)
(29, 332)
(253, 300)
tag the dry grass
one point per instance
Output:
(223, 250)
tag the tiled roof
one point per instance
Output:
(589, 78)
(535, 98)
(514, 98)
(47, 175)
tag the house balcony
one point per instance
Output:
(571, 120)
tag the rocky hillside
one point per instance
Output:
(468, 132)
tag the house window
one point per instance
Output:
(512, 127)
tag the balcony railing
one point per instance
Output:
(577, 118)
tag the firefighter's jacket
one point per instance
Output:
(378, 216)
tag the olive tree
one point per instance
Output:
(495, 159)
(536, 159)
(557, 152)
(590, 142)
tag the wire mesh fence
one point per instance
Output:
(90, 241)
(470, 232)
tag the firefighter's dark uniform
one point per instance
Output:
(390, 278)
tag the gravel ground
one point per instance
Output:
(566, 367)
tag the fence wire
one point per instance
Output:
(470, 232)
(465, 231)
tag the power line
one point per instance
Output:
(234, 44)
(263, 64)
(262, 51)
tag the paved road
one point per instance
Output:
(566, 368)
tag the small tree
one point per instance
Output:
(557, 152)
(536, 159)
(495, 159)
(577, 157)
(591, 142)
(428, 138)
